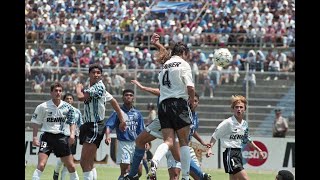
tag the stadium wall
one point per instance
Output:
(279, 153)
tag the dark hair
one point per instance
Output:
(67, 94)
(179, 48)
(126, 91)
(93, 66)
(150, 105)
(285, 175)
(54, 85)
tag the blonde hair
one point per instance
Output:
(235, 99)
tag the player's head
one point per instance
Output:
(150, 106)
(238, 105)
(284, 175)
(95, 72)
(128, 96)
(196, 101)
(56, 90)
(182, 50)
(69, 98)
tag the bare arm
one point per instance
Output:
(116, 107)
(35, 140)
(80, 95)
(198, 138)
(212, 142)
(108, 138)
(254, 146)
(191, 93)
(72, 134)
(154, 91)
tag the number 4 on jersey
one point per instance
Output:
(165, 79)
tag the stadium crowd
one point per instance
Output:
(63, 35)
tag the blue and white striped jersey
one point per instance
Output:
(232, 133)
(78, 121)
(195, 124)
(53, 118)
(134, 121)
(94, 106)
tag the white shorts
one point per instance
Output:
(154, 128)
(171, 162)
(125, 151)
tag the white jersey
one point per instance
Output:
(53, 118)
(174, 78)
(94, 106)
(232, 133)
(78, 122)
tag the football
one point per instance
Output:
(222, 57)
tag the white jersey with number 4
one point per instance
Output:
(174, 78)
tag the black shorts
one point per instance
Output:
(174, 113)
(56, 143)
(232, 160)
(92, 132)
(74, 146)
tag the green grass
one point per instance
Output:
(111, 173)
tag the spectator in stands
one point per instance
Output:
(284, 175)
(274, 67)
(117, 83)
(27, 69)
(251, 78)
(39, 83)
(280, 125)
(151, 115)
(260, 61)
(233, 71)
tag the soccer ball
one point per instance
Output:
(222, 57)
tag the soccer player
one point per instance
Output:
(233, 132)
(176, 93)
(284, 175)
(92, 131)
(69, 98)
(54, 115)
(126, 139)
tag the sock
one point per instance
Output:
(58, 165)
(94, 172)
(74, 176)
(120, 177)
(196, 169)
(64, 173)
(87, 175)
(137, 157)
(36, 174)
(185, 161)
(160, 152)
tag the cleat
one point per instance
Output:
(55, 175)
(127, 177)
(206, 176)
(152, 175)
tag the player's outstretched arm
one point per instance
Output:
(154, 91)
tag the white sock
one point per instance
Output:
(74, 176)
(160, 152)
(64, 173)
(87, 175)
(185, 161)
(36, 174)
(58, 165)
(94, 172)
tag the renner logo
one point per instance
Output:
(251, 156)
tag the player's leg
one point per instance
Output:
(57, 168)
(94, 173)
(87, 159)
(69, 163)
(73, 149)
(183, 134)
(42, 161)
(174, 167)
(124, 157)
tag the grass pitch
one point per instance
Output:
(111, 173)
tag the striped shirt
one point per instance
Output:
(54, 118)
(232, 133)
(174, 78)
(94, 106)
(78, 121)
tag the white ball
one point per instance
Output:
(222, 57)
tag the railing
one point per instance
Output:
(136, 39)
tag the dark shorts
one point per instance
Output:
(56, 143)
(92, 132)
(232, 160)
(174, 113)
(74, 146)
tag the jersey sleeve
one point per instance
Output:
(187, 75)
(222, 129)
(79, 120)
(112, 120)
(71, 118)
(95, 91)
(38, 115)
(246, 137)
